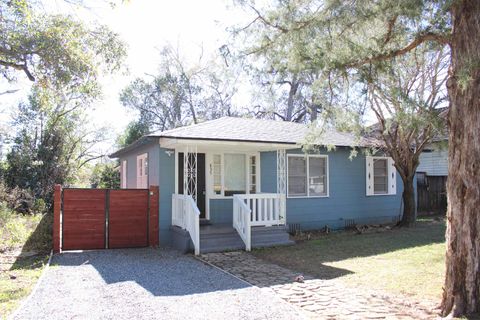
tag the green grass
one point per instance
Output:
(410, 261)
(25, 241)
(27, 271)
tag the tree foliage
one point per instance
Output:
(105, 176)
(57, 51)
(181, 93)
(134, 131)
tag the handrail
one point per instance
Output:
(241, 221)
(186, 215)
(265, 208)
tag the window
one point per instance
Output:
(252, 161)
(234, 173)
(142, 171)
(381, 176)
(307, 176)
(124, 174)
(217, 174)
(235, 177)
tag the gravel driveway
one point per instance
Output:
(146, 284)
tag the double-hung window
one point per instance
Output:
(307, 176)
(234, 173)
(381, 176)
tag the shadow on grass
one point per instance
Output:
(311, 256)
(36, 247)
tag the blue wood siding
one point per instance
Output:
(347, 199)
(167, 188)
(221, 211)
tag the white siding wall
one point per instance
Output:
(434, 163)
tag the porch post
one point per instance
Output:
(190, 172)
(282, 183)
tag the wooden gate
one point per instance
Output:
(431, 193)
(105, 218)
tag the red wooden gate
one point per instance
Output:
(105, 218)
(128, 218)
(83, 219)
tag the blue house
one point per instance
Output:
(234, 183)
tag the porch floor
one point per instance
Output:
(223, 237)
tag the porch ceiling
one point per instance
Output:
(203, 145)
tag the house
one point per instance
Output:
(237, 182)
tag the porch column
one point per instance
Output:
(282, 183)
(190, 171)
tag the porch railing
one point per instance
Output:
(186, 215)
(241, 221)
(265, 208)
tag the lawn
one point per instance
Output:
(25, 241)
(410, 261)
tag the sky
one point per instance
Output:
(146, 26)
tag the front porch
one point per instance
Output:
(257, 222)
(220, 183)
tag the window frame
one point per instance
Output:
(307, 163)
(390, 179)
(141, 172)
(210, 187)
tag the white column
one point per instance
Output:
(282, 183)
(190, 172)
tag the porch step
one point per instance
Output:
(218, 238)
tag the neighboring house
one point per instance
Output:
(432, 175)
(247, 179)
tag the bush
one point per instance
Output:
(22, 200)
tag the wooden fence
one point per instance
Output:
(105, 218)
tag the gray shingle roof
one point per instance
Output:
(256, 130)
(252, 130)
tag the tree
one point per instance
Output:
(54, 50)
(351, 35)
(405, 96)
(181, 93)
(51, 144)
(134, 131)
(106, 176)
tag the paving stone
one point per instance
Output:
(319, 298)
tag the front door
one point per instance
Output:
(201, 190)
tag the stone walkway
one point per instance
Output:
(319, 299)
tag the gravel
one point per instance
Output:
(146, 284)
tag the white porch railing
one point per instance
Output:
(265, 208)
(186, 215)
(241, 221)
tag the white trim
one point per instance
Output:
(123, 176)
(307, 156)
(240, 146)
(391, 170)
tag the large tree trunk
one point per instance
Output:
(409, 208)
(462, 281)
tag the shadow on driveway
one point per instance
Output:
(160, 272)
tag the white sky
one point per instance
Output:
(145, 25)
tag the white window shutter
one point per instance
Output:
(392, 177)
(369, 175)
